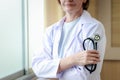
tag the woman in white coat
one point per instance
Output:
(62, 55)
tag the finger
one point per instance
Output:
(92, 62)
(94, 59)
(92, 51)
(93, 55)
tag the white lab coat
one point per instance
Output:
(45, 62)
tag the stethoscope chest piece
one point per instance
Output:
(97, 37)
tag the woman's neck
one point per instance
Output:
(72, 16)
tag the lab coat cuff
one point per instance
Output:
(58, 74)
(57, 62)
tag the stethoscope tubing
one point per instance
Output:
(93, 66)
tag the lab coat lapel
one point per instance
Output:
(85, 18)
(76, 30)
(57, 37)
(56, 43)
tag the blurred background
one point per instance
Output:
(22, 25)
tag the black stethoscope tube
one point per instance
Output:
(91, 67)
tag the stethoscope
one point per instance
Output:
(91, 67)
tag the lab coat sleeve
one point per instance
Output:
(91, 31)
(43, 63)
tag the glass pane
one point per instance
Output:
(11, 51)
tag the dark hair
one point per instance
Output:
(85, 5)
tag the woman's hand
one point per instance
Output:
(81, 58)
(86, 57)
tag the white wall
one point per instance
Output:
(11, 53)
(36, 26)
